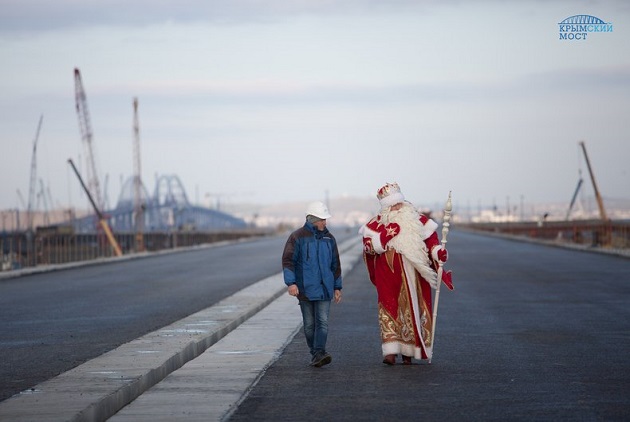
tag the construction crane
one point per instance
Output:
(600, 202)
(575, 194)
(102, 220)
(85, 127)
(42, 195)
(21, 199)
(33, 180)
(105, 205)
(17, 214)
(137, 181)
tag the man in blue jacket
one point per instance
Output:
(312, 272)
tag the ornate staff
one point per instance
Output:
(445, 227)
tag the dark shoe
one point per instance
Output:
(326, 359)
(316, 358)
(406, 360)
(389, 360)
(321, 359)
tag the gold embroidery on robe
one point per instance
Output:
(399, 329)
(389, 257)
(426, 319)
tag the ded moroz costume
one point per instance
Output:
(401, 250)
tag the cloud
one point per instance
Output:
(559, 82)
(582, 79)
(44, 15)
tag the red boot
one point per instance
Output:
(389, 360)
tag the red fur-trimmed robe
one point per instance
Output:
(405, 312)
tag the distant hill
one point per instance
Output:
(346, 211)
(354, 211)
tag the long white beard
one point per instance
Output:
(410, 241)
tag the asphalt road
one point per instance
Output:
(531, 333)
(54, 321)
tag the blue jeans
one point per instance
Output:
(315, 319)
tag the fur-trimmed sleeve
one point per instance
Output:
(428, 227)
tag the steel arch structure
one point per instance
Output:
(582, 19)
(168, 209)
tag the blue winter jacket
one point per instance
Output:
(311, 261)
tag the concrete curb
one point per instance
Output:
(6, 275)
(99, 388)
(212, 386)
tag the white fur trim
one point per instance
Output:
(375, 237)
(393, 199)
(428, 228)
(434, 252)
(396, 348)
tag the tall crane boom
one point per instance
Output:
(575, 194)
(102, 220)
(42, 195)
(137, 181)
(600, 202)
(33, 181)
(86, 137)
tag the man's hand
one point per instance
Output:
(293, 290)
(337, 296)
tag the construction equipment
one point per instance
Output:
(105, 205)
(33, 179)
(21, 199)
(42, 195)
(600, 202)
(86, 136)
(575, 194)
(101, 218)
(137, 181)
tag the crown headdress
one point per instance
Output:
(389, 195)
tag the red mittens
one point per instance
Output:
(439, 253)
(376, 236)
(367, 246)
(447, 278)
(442, 254)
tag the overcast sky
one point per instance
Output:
(284, 100)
